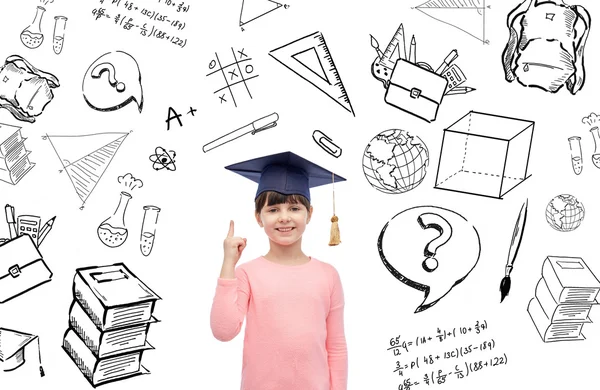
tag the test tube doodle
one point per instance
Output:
(60, 23)
(576, 161)
(148, 229)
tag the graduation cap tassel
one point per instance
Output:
(334, 237)
(42, 374)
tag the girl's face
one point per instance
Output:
(284, 223)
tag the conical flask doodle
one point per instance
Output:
(148, 229)
(112, 232)
(32, 36)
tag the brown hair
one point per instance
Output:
(270, 198)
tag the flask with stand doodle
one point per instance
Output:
(32, 36)
(112, 232)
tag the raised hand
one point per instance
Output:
(233, 247)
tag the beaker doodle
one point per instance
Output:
(60, 23)
(576, 162)
(148, 229)
(112, 232)
(32, 36)
(596, 155)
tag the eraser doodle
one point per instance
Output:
(112, 82)
(429, 248)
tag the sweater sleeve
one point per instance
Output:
(337, 353)
(229, 307)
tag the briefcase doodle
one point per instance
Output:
(22, 268)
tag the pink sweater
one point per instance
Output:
(295, 324)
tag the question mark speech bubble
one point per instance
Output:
(452, 249)
(113, 81)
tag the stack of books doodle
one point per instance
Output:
(563, 299)
(14, 157)
(109, 320)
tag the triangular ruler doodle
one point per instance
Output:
(465, 15)
(85, 158)
(254, 9)
(309, 58)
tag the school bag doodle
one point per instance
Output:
(25, 90)
(546, 45)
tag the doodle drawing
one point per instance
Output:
(466, 15)
(264, 123)
(576, 161)
(12, 349)
(440, 250)
(564, 213)
(310, 58)
(14, 156)
(254, 9)
(326, 143)
(235, 74)
(85, 158)
(60, 23)
(564, 296)
(484, 154)
(148, 229)
(112, 232)
(161, 159)
(109, 319)
(592, 120)
(515, 244)
(32, 36)
(546, 45)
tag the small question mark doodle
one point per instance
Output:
(437, 222)
(112, 73)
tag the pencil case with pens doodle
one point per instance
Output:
(415, 89)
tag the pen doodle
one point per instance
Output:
(326, 143)
(564, 296)
(564, 213)
(235, 74)
(25, 91)
(14, 156)
(85, 158)
(310, 58)
(430, 249)
(546, 45)
(395, 162)
(161, 159)
(264, 123)
(467, 16)
(484, 154)
(515, 244)
(13, 344)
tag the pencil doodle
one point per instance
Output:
(13, 344)
(576, 161)
(515, 245)
(395, 162)
(411, 86)
(109, 319)
(60, 24)
(449, 243)
(564, 213)
(564, 296)
(467, 16)
(546, 45)
(235, 74)
(32, 36)
(326, 143)
(14, 157)
(592, 120)
(121, 86)
(264, 123)
(484, 154)
(254, 9)
(23, 267)
(25, 90)
(30, 225)
(310, 58)
(85, 158)
(148, 229)
(161, 159)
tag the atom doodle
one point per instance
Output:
(163, 159)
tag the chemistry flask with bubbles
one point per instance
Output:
(32, 36)
(112, 232)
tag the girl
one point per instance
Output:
(293, 303)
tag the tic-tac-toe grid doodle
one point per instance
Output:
(232, 78)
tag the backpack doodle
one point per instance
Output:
(24, 89)
(545, 48)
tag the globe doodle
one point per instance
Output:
(565, 213)
(395, 162)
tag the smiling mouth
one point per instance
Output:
(285, 230)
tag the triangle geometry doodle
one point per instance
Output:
(254, 9)
(309, 58)
(85, 158)
(466, 15)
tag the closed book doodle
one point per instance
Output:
(553, 332)
(566, 312)
(570, 280)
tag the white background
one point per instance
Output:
(200, 197)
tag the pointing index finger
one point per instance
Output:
(230, 232)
